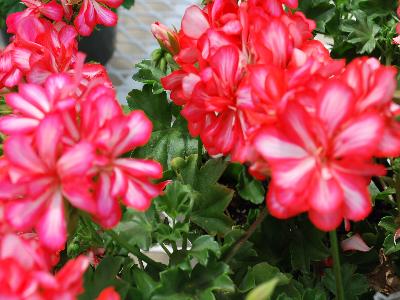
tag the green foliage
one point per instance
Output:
(169, 139)
(128, 3)
(7, 7)
(357, 27)
(354, 284)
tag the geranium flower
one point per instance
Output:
(50, 172)
(33, 103)
(36, 8)
(26, 271)
(93, 12)
(127, 179)
(321, 163)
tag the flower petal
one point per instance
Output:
(335, 104)
(360, 138)
(354, 243)
(325, 193)
(194, 22)
(52, 228)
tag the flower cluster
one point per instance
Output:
(64, 150)
(50, 44)
(254, 84)
(65, 142)
(25, 272)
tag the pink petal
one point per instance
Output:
(17, 125)
(24, 214)
(140, 167)
(383, 88)
(48, 136)
(77, 160)
(52, 228)
(24, 106)
(105, 202)
(78, 194)
(294, 174)
(357, 204)
(354, 243)
(119, 183)
(298, 126)
(139, 132)
(57, 86)
(19, 151)
(136, 197)
(86, 19)
(326, 221)
(284, 204)
(52, 10)
(21, 58)
(194, 22)
(275, 37)
(112, 3)
(274, 146)
(105, 16)
(36, 95)
(360, 137)
(336, 102)
(325, 193)
(225, 62)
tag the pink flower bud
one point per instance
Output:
(167, 38)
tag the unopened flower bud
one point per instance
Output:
(167, 38)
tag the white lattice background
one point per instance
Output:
(135, 41)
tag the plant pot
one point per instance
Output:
(99, 47)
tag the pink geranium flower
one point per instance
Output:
(321, 164)
(49, 171)
(95, 12)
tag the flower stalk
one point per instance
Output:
(336, 265)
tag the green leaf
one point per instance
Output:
(202, 247)
(212, 198)
(321, 11)
(103, 276)
(167, 144)
(177, 200)
(199, 284)
(388, 223)
(354, 284)
(306, 246)
(361, 32)
(155, 106)
(128, 3)
(250, 189)
(137, 227)
(145, 284)
(263, 291)
(209, 210)
(389, 246)
(259, 274)
(150, 74)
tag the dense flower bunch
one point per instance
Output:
(50, 44)
(255, 85)
(63, 151)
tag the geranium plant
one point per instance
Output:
(253, 164)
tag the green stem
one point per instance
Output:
(199, 152)
(165, 249)
(239, 243)
(336, 265)
(135, 251)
